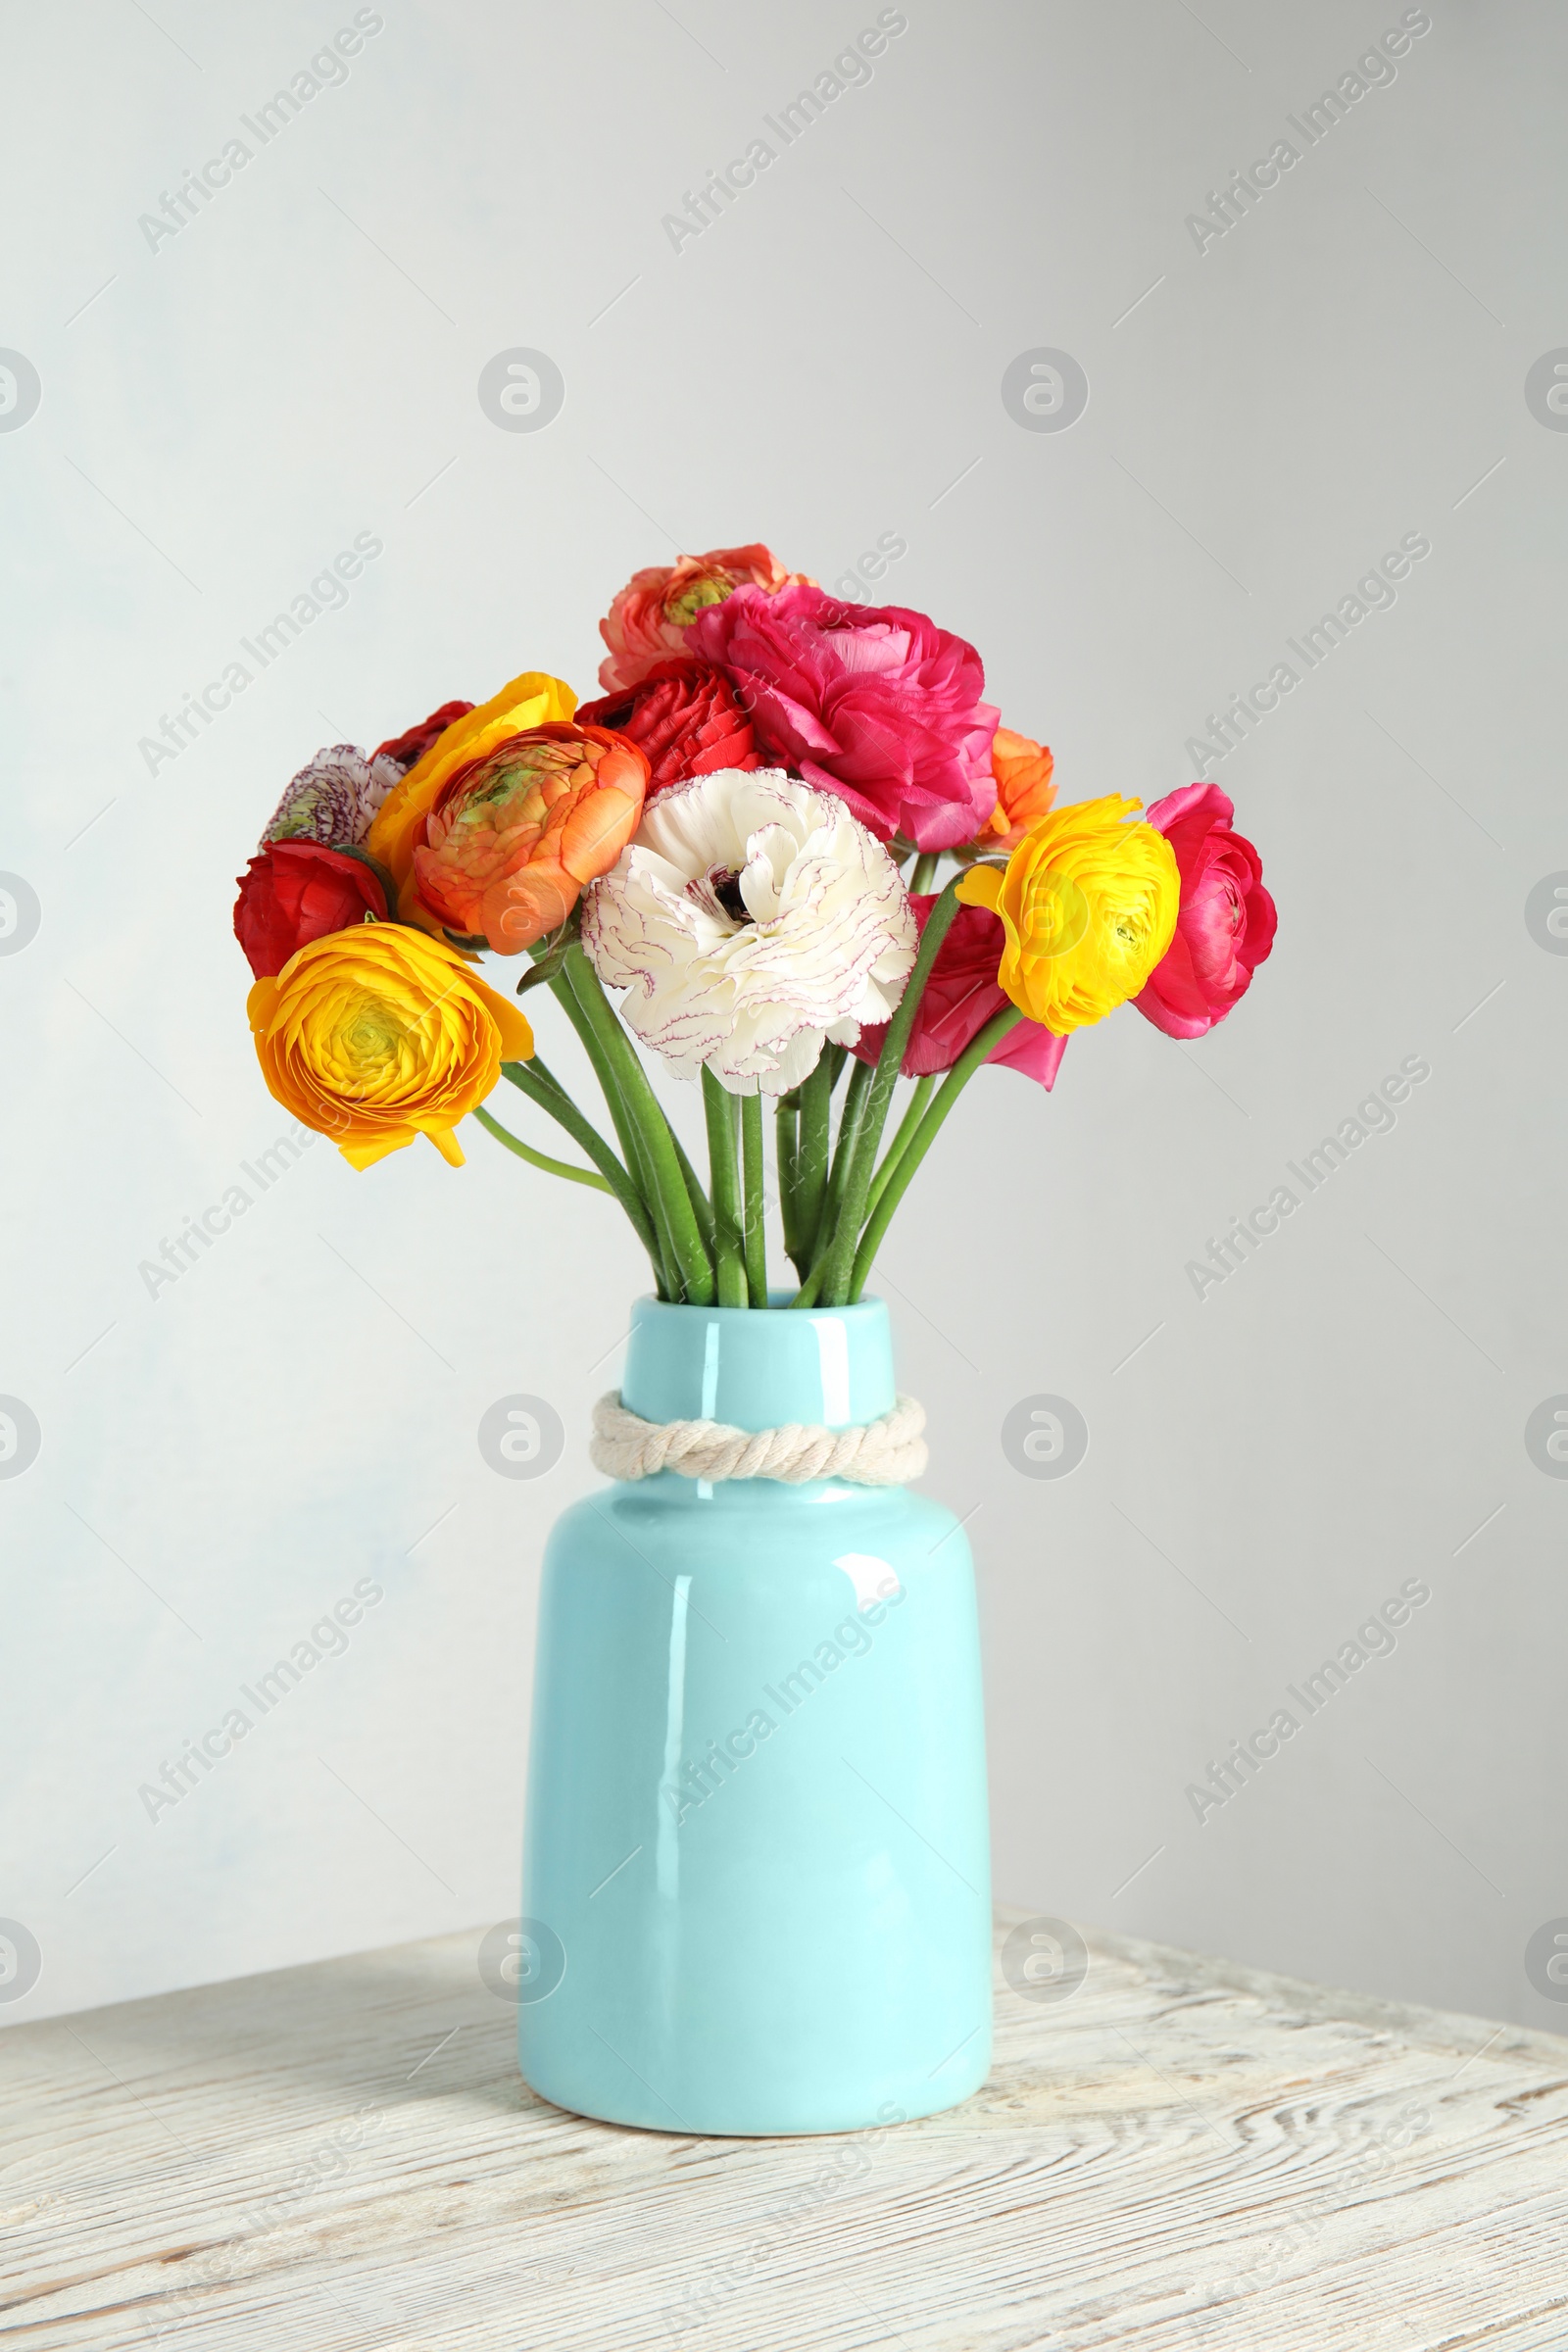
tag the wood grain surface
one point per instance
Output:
(1182, 2154)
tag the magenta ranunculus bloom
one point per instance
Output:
(1225, 924)
(873, 703)
(961, 994)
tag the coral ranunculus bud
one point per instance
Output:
(378, 1034)
(511, 838)
(1088, 902)
(648, 621)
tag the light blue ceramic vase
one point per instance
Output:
(756, 1868)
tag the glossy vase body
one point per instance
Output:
(757, 1872)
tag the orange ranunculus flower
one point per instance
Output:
(1024, 789)
(528, 701)
(511, 838)
(377, 1034)
(1088, 904)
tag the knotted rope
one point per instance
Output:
(879, 1453)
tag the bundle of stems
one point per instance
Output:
(838, 1190)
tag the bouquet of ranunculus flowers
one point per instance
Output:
(745, 836)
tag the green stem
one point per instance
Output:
(532, 1079)
(755, 1231)
(957, 1078)
(718, 1108)
(902, 1137)
(638, 1173)
(671, 1202)
(850, 1213)
(925, 869)
(787, 1151)
(855, 1097)
(702, 1208)
(540, 1159)
(810, 1162)
(625, 1132)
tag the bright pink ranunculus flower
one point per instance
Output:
(1225, 925)
(961, 996)
(873, 703)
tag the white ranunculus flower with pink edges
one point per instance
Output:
(751, 920)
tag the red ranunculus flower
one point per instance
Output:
(684, 718)
(873, 703)
(961, 993)
(297, 891)
(1225, 923)
(407, 748)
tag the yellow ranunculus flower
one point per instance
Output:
(528, 701)
(377, 1034)
(1089, 904)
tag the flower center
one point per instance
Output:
(726, 888)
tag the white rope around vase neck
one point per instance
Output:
(879, 1453)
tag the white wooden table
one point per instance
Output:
(1183, 2154)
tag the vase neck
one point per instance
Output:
(759, 1367)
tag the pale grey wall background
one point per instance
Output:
(221, 415)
